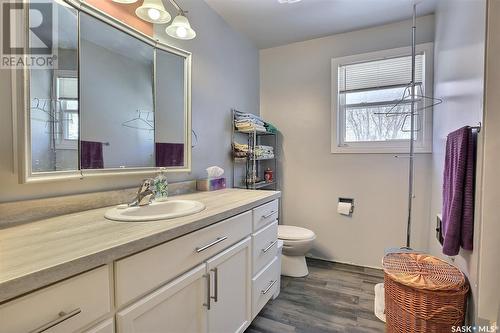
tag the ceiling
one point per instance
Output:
(268, 23)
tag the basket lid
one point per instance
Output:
(422, 271)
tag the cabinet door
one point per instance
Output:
(107, 326)
(177, 307)
(230, 296)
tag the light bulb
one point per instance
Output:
(181, 32)
(154, 14)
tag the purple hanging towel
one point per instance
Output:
(91, 156)
(169, 154)
(458, 191)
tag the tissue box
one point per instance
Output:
(211, 184)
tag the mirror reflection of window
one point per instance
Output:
(54, 123)
(117, 118)
(67, 103)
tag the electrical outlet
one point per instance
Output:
(439, 229)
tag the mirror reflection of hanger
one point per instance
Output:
(141, 122)
(45, 105)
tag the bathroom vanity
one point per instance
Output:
(209, 272)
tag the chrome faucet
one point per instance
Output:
(145, 194)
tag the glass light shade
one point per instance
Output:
(125, 1)
(153, 11)
(180, 28)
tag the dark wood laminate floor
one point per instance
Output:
(332, 298)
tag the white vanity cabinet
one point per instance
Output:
(213, 297)
(67, 306)
(266, 270)
(108, 326)
(175, 307)
(230, 300)
(213, 280)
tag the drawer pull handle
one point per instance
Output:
(207, 304)
(269, 215)
(63, 316)
(215, 297)
(271, 284)
(215, 242)
(269, 247)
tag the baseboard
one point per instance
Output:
(342, 262)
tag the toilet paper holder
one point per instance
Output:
(348, 200)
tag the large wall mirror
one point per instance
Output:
(118, 101)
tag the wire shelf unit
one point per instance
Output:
(248, 172)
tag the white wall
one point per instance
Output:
(459, 80)
(489, 273)
(225, 75)
(295, 96)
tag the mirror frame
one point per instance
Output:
(20, 82)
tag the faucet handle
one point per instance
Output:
(146, 185)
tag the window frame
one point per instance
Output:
(423, 144)
(62, 142)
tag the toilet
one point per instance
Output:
(297, 242)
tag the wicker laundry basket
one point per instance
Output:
(423, 294)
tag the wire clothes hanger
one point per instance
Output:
(140, 122)
(408, 99)
(36, 104)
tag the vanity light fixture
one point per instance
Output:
(153, 11)
(180, 27)
(288, 1)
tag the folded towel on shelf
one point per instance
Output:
(243, 116)
(250, 127)
(458, 191)
(271, 128)
(260, 152)
(248, 122)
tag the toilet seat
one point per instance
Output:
(293, 233)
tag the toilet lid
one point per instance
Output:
(290, 232)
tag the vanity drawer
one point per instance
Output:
(265, 246)
(83, 299)
(141, 273)
(264, 286)
(265, 214)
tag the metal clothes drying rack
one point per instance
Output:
(411, 95)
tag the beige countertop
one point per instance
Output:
(37, 254)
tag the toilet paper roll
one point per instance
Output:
(344, 208)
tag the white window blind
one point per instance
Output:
(379, 73)
(67, 88)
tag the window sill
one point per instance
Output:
(378, 150)
(67, 145)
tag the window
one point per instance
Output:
(369, 114)
(66, 90)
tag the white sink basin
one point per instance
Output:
(156, 211)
